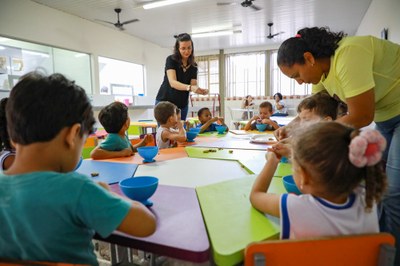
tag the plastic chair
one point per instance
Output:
(10, 262)
(365, 250)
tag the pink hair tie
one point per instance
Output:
(366, 149)
(297, 35)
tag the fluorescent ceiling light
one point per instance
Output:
(215, 33)
(163, 3)
(2, 48)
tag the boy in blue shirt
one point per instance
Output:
(48, 212)
(207, 122)
(115, 120)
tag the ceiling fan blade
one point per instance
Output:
(129, 21)
(226, 4)
(256, 8)
(112, 23)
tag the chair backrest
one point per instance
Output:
(365, 250)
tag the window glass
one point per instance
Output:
(208, 73)
(18, 58)
(121, 79)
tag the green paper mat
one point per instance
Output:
(231, 221)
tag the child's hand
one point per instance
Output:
(266, 121)
(221, 120)
(282, 148)
(148, 138)
(255, 118)
(272, 157)
(104, 185)
(188, 125)
(214, 119)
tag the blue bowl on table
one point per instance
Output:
(261, 127)
(139, 188)
(195, 129)
(191, 135)
(148, 153)
(290, 185)
(221, 129)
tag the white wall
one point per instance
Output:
(382, 14)
(26, 20)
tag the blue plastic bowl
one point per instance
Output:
(139, 188)
(290, 185)
(148, 153)
(221, 129)
(261, 127)
(195, 129)
(191, 135)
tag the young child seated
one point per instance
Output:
(171, 129)
(265, 110)
(207, 122)
(7, 154)
(315, 108)
(279, 106)
(247, 103)
(115, 120)
(338, 170)
(48, 211)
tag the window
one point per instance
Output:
(208, 73)
(121, 79)
(245, 74)
(283, 84)
(18, 58)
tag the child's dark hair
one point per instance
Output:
(183, 37)
(321, 104)
(320, 42)
(113, 116)
(163, 111)
(202, 110)
(40, 106)
(322, 150)
(4, 138)
(266, 104)
(279, 95)
(246, 100)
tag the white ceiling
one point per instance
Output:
(160, 24)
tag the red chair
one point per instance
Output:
(353, 250)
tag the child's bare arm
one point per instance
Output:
(270, 122)
(99, 153)
(248, 125)
(139, 221)
(176, 136)
(146, 140)
(207, 124)
(259, 198)
(222, 121)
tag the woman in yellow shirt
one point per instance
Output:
(363, 72)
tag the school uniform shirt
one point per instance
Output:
(361, 63)
(212, 127)
(306, 216)
(160, 143)
(167, 93)
(115, 142)
(50, 216)
(283, 110)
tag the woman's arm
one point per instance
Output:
(174, 83)
(259, 198)
(361, 110)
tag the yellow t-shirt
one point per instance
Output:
(361, 63)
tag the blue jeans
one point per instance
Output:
(184, 111)
(390, 206)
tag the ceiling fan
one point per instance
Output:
(270, 35)
(118, 24)
(245, 3)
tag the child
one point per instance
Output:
(48, 211)
(280, 106)
(115, 120)
(246, 104)
(207, 122)
(171, 129)
(7, 154)
(265, 110)
(320, 106)
(315, 108)
(338, 171)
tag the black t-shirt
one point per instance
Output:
(167, 93)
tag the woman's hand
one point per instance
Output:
(198, 90)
